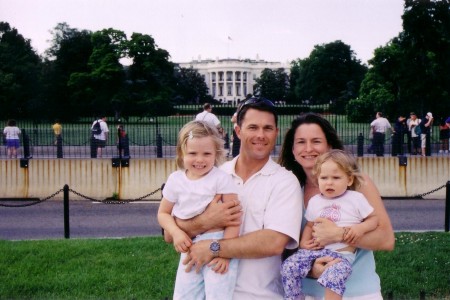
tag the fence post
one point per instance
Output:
(120, 143)
(159, 153)
(360, 144)
(447, 206)
(93, 147)
(66, 212)
(59, 148)
(26, 144)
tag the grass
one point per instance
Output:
(144, 268)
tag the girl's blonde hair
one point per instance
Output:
(199, 129)
(346, 163)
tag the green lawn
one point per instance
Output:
(144, 268)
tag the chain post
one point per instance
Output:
(447, 206)
(66, 212)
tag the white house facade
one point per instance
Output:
(230, 80)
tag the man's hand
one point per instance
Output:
(198, 255)
(216, 215)
(223, 215)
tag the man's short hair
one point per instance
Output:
(206, 106)
(261, 104)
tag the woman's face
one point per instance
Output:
(309, 143)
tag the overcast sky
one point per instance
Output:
(273, 30)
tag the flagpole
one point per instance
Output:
(228, 46)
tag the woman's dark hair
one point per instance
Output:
(287, 158)
(11, 122)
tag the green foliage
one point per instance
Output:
(412, 69)
(66, 74)
(272, 84)
(329, 73)
(19, 74)
(191, 87)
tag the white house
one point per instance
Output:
(230, 80)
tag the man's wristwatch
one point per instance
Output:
(215, 248)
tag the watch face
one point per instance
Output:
(215, 246)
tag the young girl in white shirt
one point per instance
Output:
(186, 194)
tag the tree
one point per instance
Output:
(190, 86)
(272, 84)
(67, 59)
(378, 91)
(151, 74)
(411, 73)
(19, 74)
(325, 75)
(425, 42)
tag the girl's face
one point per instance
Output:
(309, 143)
(199, 157)
(333, 181)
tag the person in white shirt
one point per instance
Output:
(271, 201)
(101, 139)
(379, 126)
(208, 117)
(11, 134)
(415, 138)
(186, 194)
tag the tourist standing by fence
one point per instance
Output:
(11, 134)
(379, 127)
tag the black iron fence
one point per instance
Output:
(149, 137)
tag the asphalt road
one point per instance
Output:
(97, 220)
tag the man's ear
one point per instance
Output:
(238, 131)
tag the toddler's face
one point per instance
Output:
(333, 181)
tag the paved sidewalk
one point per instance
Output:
(97, 220)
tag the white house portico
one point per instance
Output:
(230, 80)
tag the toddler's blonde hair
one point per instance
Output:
(199, 129)
(346, 163)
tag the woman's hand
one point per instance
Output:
(325, 232)
(321, 264)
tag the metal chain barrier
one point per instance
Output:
(35, 201)
(105, 201)
(113, 201)
(420, 196)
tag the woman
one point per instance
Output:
(310, 136)
(11, 134)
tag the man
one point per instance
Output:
(99, 140)
(379, 127)
(272, 209)
(425, 140)
(399, 132)
(208, 117)
(412, 123)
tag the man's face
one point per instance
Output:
(258, 133)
